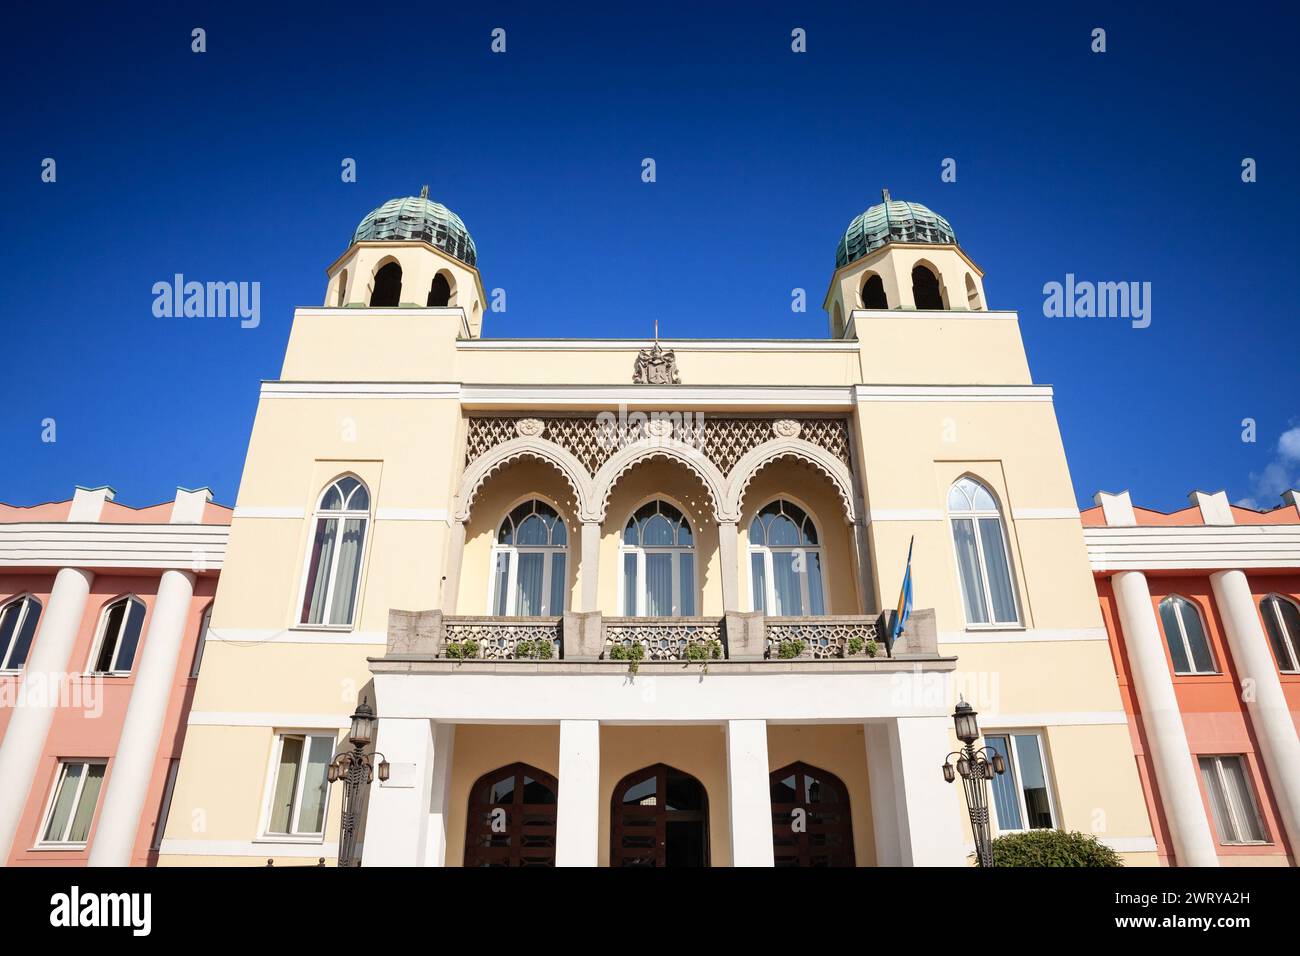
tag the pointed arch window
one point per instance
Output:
(439, 291)
(334, 563)
(1189, 648)
(387, 292)
(873, 293)
(785, 562)
(18, 620)
(118, 637)
(658, 563)
(1281, 620)
(926, 290)
(529, 562)
(983, 561)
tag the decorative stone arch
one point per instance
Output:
(381, 265)
(648, 449)
(775, 449)
(539, 449)
(935, 271)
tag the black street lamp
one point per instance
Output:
(975, 767)
(355, 769)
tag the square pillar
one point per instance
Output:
(397, 818)
(729, 558)
(928, 810)
(750, 793)
(884, 802)
(589, 570)
(444, 741)
(577, 813)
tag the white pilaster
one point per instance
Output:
(137, 748)
(398, 816)
(1279, 747)
(728, 556)
(884, 805)
(928, 812)
(444, 745)
(577, 813)
(1180, 789)
(451, 570)
(750, 793)
(38, 694)
(589, 571)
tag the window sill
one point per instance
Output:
(58, 847)
(994, 628)
(1198, 673)
(318, 628)
(317, 840)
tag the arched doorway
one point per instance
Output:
(659, 817)
(511, 818)
(811, 823)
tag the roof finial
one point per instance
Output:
(656, 331)
(424, 192)
(884, 194)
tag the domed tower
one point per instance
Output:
(900, 255)
(410, 252)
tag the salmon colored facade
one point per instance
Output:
(64, 567)
(1232, 706)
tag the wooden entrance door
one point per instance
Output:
(511, 818)
(659, 816)
(811, 824)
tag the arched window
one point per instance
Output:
(811, 822)
(873, 293)
(334, 565)
(972, 293)
(659, 817)
(118, 637)
(785, 562)
(1281, 618)
(388, 287)
(658, 563)
(511, 818)
(925, 288)
(18, 621)
(343, 289)
(439, 291)
(982, 562)
(1185, 634)
(528, 562)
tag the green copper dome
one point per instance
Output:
(892, 221)
(421, 219)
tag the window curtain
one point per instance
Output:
(318, 572)
(80, 831)
(311, 815)
(528, 583)
(999, 570)
(559, 582)
(785, 581)
(659, 585)
(63, 801)
(629, 584)
(501, 595)
(968, 565)
(1218, 803)
(344, 598)
(286, 779)
(813, 568)
(758, 581)
(1004, 788)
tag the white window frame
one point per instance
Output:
(343, 516)
(640, 551)
(974, 515)
(1178, 602)
(268, 799)
(1230, 804)
(61, 773)
(512, 552)
(27, 600)
(1013, 768)
(766, 551)
(1292, 641)
(101, 634)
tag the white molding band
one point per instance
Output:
(237, 636)
(946, 315)
(269, 511)
(680, 345)
(1194, 547)
(1034, 514)
(436, 390)
(992, 723)
(952, 393)
(60, 544)
(230, 718)
(1023, 635)
(312, 851)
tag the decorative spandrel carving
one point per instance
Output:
(656, 366)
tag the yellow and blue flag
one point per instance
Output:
(904, 598)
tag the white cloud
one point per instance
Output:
(1288, 446)
(1279, 475)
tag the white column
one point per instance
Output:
(577, 814)
(397, 818)
(750, 793)
(1180, 788)
(589, 572)
(884, 805)
(47, 667)
(444, 744)
(137, 747)
(1279, 747)
(928, 811)
(451, 569)
(728, 555)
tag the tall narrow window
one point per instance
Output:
(982, 557)
(334, 564)
(1189, 648)
(528, 562)
(926, 291)
(299, 785)
(72, 804)
(1232, 800)
(1022, 798)
(18, 621)
(388, 287)
(658, 563)
(119, 635)
(165, 805)
(1281, 619)
(202, 641)
(342, 299)
(972, 294)
(785, 562)
(873, 293)
(439, 291)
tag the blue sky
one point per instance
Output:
(1122, 166)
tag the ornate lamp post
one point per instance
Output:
(355, 769)
(975, 767)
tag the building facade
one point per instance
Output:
(617, 602)
(102, 611)
(1203, 611)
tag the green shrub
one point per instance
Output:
(632, 653)
(856, 645)
(538, 648)
(789, 649)
(1052, 848)
(703, 650)
(463, 650)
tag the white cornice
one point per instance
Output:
(945, 315)
(953, 393)
(1193, 548)
(679, 345)
(98, 545)
(445, 390)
